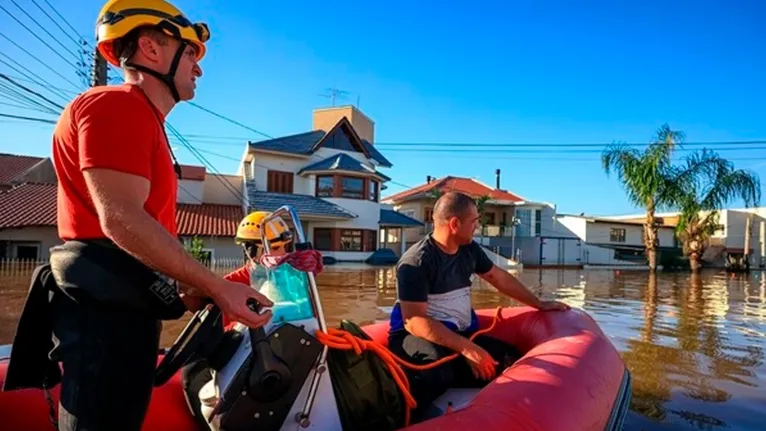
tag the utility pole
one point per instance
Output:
(98, 72)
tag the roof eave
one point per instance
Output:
(279, 153)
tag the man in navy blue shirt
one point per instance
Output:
(433, 316)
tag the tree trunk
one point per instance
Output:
(694, 262)
(650, 238)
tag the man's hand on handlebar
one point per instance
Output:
(235, 300)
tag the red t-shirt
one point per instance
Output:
(241, 275)
(118, 128)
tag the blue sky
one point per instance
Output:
(493, 72)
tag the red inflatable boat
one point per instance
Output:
(571, 378)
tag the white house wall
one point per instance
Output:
(214, 191)
(575, 227)
(368, 213)
(190, 192)
(265, 162)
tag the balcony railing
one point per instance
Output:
(489, 230)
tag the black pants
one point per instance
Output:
(109, 357)
(426, 386)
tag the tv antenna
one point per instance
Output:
(334, 93)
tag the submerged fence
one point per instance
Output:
(10, 269)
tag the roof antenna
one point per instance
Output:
(334, 93)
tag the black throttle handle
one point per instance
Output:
(270, 377)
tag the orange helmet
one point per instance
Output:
(249, 230)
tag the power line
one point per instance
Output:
(2, 75)
(76, 57)
(46, 65)
(16, 96)
(223, 117)
(442, 145)
(65, 21)
(38, 37)
(30, 78)
(19, 117)
(224, 182)
(57, 24)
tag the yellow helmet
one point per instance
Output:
(119, 17)
(277, 231)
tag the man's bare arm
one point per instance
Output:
(119, 200)
(509, 285)
(417, 323)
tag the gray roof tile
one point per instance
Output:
(303, 204)
(302, 143)
(395, 218)
(342, 162)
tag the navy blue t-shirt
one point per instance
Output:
(425, 273)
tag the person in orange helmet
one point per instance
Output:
(117, 197)
(197, 372)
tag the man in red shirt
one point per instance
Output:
(117, 190)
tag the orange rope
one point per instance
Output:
(342, 340)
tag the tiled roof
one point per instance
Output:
(342, 162)
(29, 204)
(208, 219)
(12, 165)
(196, 173)
(305, 205)
(303, 144)
(395, 218)
(34, 204)
(468, 186)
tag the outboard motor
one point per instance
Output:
(274, 377)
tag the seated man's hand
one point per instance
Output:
(481, 362)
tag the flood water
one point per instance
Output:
(694, 344)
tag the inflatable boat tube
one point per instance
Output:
(570, 378)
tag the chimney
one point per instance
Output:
(497, 179)
(428, 179)
(326, 118)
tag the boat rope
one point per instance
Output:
(343, 340)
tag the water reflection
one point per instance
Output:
(694, 343)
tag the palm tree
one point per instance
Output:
(705, 185)
(644, 176)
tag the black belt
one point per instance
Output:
(113, 277)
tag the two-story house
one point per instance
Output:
(331, 176)
(512, 223)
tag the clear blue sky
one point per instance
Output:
(526, 73)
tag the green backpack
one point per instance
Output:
(367, 395)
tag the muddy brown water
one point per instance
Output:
(694, 344)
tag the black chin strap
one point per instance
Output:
(168, 78)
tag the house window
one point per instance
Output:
(323, 239)
(338, 186)
(372, 190)
(352, 188)
(27, 251)
(489, 218)
(428, 216)
(524, 216)
(325, 186)
(350, 240)
(617, 235)
(371, 240)
(279, 182)
(538, 222)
